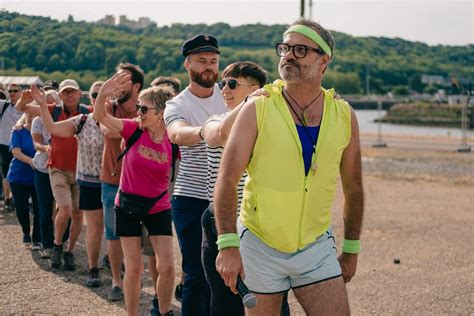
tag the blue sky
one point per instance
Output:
(433, 22)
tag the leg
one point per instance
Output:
(61, 223)
(45, 204)
(114, 247)
(36, 217)
(133, 271)
(21, 195)
(163, 247)
(77, 216)
(267, 304)
(223, 301)
(325, 298)
(6, 159)
(95, 228)
(152, 264)
(187, 214)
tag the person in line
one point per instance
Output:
(145, 175)
(21, 178)
(94, 91)
(239, 80)
(62, 170)
(90, 142)
(147, 248)
(8, 118)
(124, 106)
(184, 116)
(294, 145)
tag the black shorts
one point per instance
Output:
(6, 159)
(158, 224)
(90, 198)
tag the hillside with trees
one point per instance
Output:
(31, 45)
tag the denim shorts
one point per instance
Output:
(109, 191)
(269, 271)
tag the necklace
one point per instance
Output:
(314, 166)
(305, 108)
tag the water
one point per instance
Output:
(367, 125)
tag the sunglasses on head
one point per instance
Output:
(232, 83)
(94, 95)
(144, 109)
(13, 91)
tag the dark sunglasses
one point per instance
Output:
(144, 109)
(232, 83)
(94, 95)
(13, 91)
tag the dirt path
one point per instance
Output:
(419, 209)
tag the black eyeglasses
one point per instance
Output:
(232, 83)
(144, 109)
(94, 95)
(299, 51)
(13, 91)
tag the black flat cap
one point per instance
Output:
(200, 43)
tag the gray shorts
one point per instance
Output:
(269, 271)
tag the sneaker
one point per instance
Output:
(69, 262)
(178, 292)
(116, 294)
(36, 246)
(155, 309)
(56, 256)
(93, 278)
(46, 253)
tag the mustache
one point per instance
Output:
(292, 63)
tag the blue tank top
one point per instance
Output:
(307, 143)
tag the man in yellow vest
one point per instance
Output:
(294, 144)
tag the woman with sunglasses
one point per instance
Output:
(94, 91)
(89, 158)
(145, 173)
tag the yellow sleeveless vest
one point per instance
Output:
(284, 208)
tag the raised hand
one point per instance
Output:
(25, 97)
(116, 84)
(37, 95)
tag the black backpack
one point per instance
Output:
(58, 108)
(4, 108)
(81, 123)
(133, 139)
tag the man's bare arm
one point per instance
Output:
(351, 177)
(182, 134)
(235, 159)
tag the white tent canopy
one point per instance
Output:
(21, 80)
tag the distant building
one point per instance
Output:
(107, 20)
(142, 22)
(434, 79)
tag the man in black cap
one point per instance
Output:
(184, 117)
(51, 85)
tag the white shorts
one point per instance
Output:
(269, 271)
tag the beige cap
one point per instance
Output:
(69, 84)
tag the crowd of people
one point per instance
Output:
(251, 200)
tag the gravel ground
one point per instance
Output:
(419, 210)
